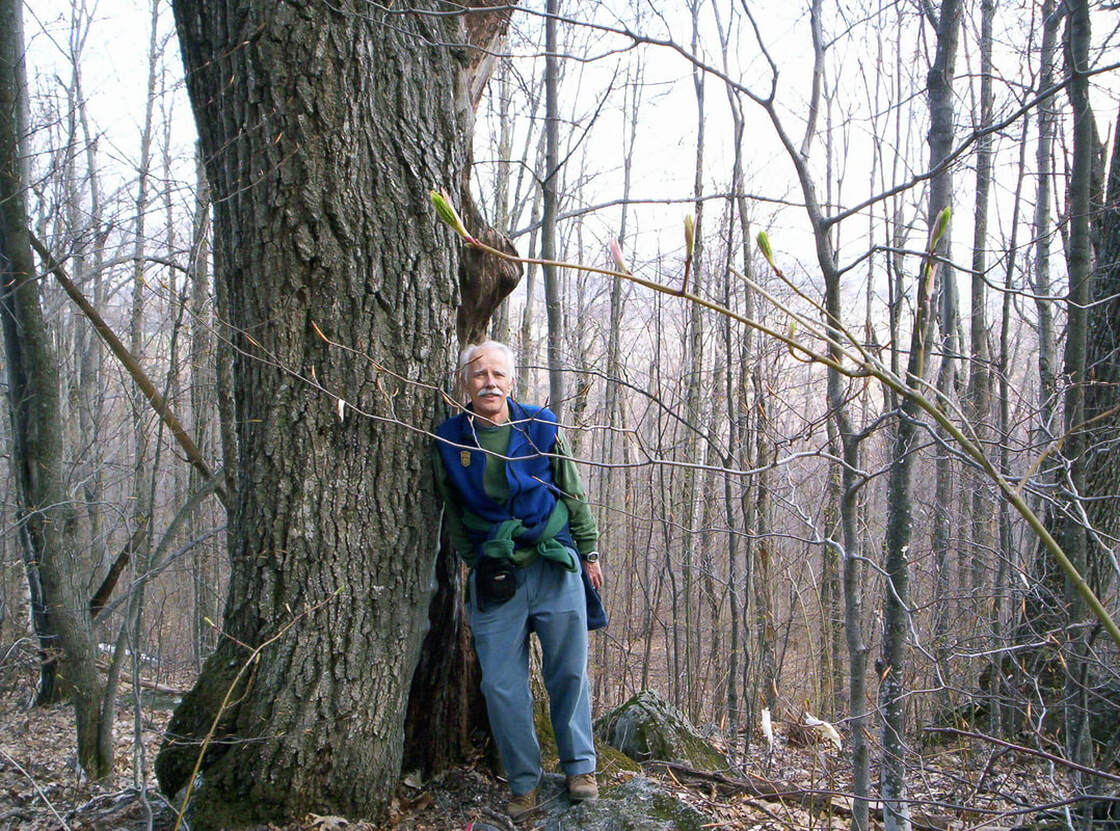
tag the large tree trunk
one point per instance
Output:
(322, 133)
(45, 514)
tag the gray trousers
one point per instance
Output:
(549, 601)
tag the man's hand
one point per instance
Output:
(594, 574)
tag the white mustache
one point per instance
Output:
(491, 391)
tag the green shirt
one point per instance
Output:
(495, 440)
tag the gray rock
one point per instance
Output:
(638, 804)
(648, 727)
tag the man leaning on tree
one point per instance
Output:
(516, 514)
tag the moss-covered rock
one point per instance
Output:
(648, 727)
(637, 804)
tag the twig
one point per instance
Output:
(1030, 751)
(867, 365)
(229, 693)
(131, 365)
(35, 785)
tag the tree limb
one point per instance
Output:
(131, 365)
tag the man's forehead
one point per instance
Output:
(487, 356)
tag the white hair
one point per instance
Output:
(471, 352)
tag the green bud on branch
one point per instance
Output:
(942, 224)
(448, 214)
(764, 247)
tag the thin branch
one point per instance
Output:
(131, 365)
(1030, 751)
(868, 365)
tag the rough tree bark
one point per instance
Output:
(322, 129)
(1102, 394)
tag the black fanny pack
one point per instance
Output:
(494, 581)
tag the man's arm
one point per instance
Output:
(585, 532)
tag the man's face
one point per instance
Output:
(488, 384)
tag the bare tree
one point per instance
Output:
(982, 508)
(1070, 530)
(549, 184)
(46, 515)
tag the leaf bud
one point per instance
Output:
(942, 225)
(764, 247)
(448, 214)
(616, 255)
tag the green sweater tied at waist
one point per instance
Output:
(502, 545)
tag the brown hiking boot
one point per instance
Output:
(521, 804)
(582, 787)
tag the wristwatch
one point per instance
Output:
(590, 557)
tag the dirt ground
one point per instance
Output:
(41, 788)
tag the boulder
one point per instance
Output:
(648, 727)
(638, 804)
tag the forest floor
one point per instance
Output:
(40, 787)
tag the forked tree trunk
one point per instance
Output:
(322, 133)
(840, 411)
